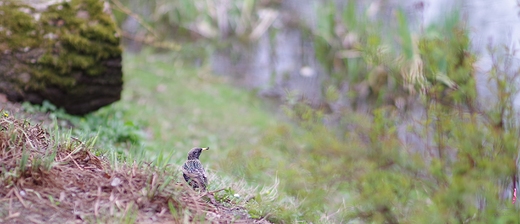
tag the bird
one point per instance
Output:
(193, 171)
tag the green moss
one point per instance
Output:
(18, 28)
(72, 43)
(100, 33)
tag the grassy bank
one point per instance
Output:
(182, 107)
(167, 108)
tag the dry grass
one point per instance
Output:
(45, 180)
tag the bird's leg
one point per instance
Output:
(211, 197)
(212, 200)
(212, 192)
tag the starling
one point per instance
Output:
(192, 170)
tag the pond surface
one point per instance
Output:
(282, 62)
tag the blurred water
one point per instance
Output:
(286, 64)
(494, 22)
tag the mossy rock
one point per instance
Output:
(66, 52)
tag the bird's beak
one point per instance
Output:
(204, 149)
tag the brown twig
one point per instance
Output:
(35, 220)
(145, 39)
(129, 12)
(10, 206)
(265, 217)
(96, 206)
(20, 197)
(73, 160)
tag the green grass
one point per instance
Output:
(168, 107)
(186, 107)
(182, 107)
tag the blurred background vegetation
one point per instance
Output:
(336, 111)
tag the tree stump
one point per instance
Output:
(66, 52)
